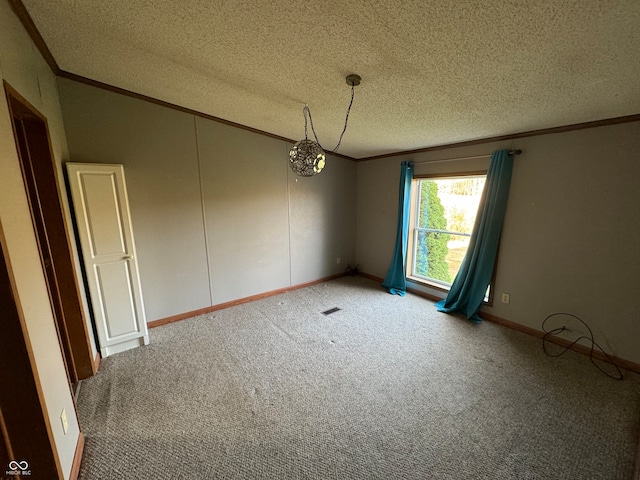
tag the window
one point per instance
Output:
(443, 214)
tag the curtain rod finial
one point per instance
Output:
(515, 152)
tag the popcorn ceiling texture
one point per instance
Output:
(434, 71)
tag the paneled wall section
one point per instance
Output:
(217, 213)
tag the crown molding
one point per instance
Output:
(530, 133)
(27, 22)
(23, 15)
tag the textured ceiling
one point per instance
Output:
(434, 71)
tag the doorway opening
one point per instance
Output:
(31, 134)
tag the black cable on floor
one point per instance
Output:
(590, 339)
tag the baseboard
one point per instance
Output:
(516, 326)
(77, 458)
(563, 342)
(415, 291)
(426, 295)
(621, 362)
(371, 277)
(233, 303)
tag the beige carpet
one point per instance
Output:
(385, 388)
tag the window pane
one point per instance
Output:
(456, 250)
(448, 205)
(431, 256)
(431, 211)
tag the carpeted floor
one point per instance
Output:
(385, 388)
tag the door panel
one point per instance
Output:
(114, 284)
(102, 214)
(104, 224)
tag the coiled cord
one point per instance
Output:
(589, 338)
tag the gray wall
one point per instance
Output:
(570, 232)
(217, 213)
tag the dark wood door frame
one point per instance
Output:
(40, 177)
(25, 434)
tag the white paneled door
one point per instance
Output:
(101, 207)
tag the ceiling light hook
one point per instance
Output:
(354, 80)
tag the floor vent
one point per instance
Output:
(330, 311)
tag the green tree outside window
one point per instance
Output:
(432, 246)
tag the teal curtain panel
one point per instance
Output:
(470, 285)
(396, 279)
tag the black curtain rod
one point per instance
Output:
(511, 152)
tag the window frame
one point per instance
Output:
(411, 237)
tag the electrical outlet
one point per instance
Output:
(506, 298)
(338, 260)
(65, 422)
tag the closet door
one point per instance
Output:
(101, 207)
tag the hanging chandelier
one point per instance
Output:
(307, 157)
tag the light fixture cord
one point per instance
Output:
(346, 119)
(307, 111)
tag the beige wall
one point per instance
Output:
(323, 222)
(244, 182)
(25, 70)
(157, 147)
(217, 213)
(568, 242)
